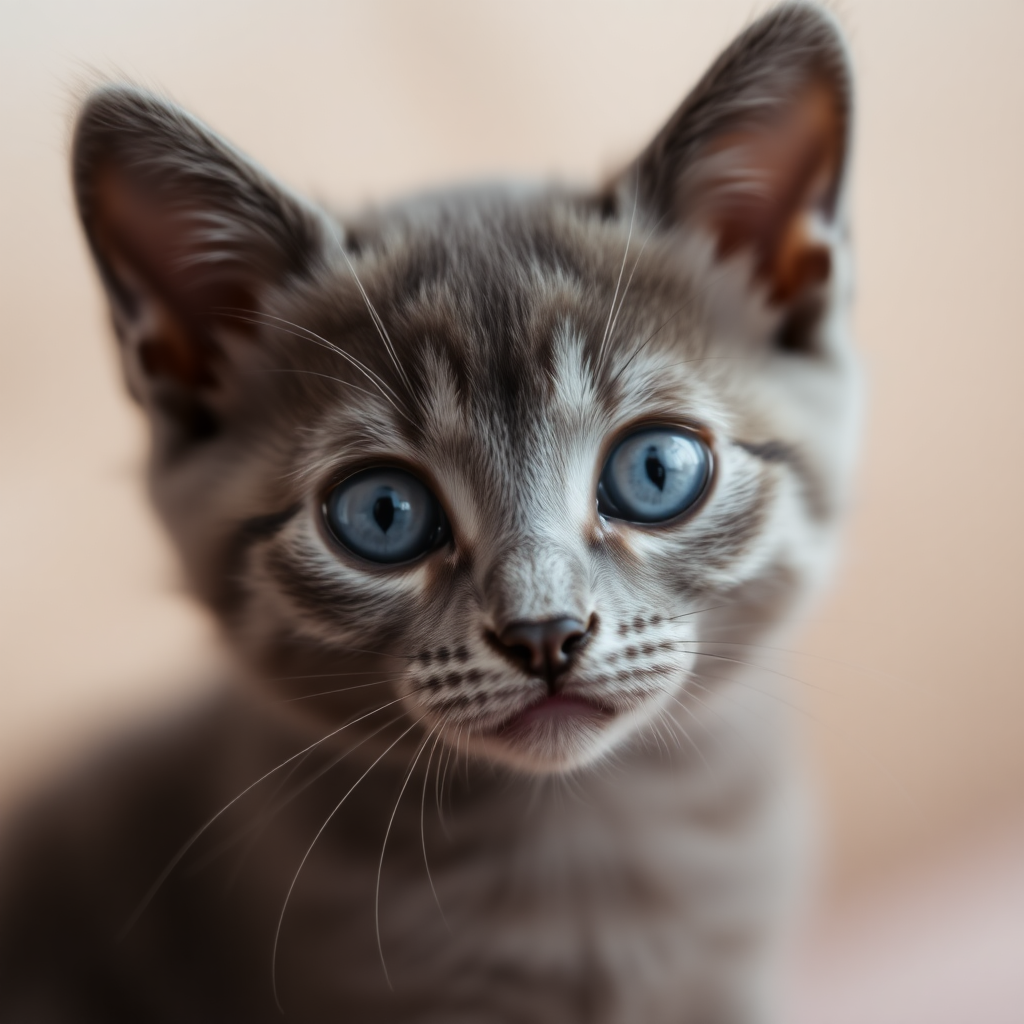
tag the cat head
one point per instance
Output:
(500, 461)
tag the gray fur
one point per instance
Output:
(497, 341)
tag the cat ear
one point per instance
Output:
(187, 233)
(755, 156)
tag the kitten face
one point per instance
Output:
(498, 347)
(509, 415)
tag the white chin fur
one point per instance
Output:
(559, 745)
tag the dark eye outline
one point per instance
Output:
(441, 534)
(607, 509)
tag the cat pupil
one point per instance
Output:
(384, 513)
(655, 470)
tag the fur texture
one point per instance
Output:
(626, 866)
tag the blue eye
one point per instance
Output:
(385, 515)
(654, 475)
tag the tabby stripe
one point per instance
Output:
(250, 532)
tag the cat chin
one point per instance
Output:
(556, 752)
(552, 738)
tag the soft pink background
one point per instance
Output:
(912, 675)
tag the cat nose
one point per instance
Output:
(544, 648)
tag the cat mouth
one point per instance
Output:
(552, 712)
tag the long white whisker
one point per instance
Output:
(754, 664)
(654, 730)
(176, 859)
(703, 703)
(693, 743)
(622, 270)
(305, 857)
(469, 734)
(437, 779)
(261, 319)
(253, 826)
(844, 735)
(746, 685)
(322, 376)
(451, 755)
(838, 662)
(374, 315)
(704, 681)
(423, 837)
(340, 689)
(696, 611)
(629, 281)
(268, 815)
(378, 382)
(383, 848)
(639, 348)
(321, 675)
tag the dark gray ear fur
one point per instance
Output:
(183, 229)
(760, 142)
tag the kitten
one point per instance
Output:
(492, 492)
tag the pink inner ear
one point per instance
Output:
(768, 186)
(158, 245)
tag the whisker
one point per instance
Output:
(754, 664)
(676, 731)
(747, 685)
(423, 837)
(696, 611)
(439, 788)
(622, 269)
(636, 263)
(378, 654)
(261, 319)
(691, 678)
(448, 760)
(574, 786)
(689, 738)
(305, 856)
(340, 689)
(327, 377)
(704, 359)
(374, 315)
(648, 340)
(202, 862)
(321, 675)
(307, 334)
(653, 730)
(704, 680)
(841, 734)
(839, 662)
(260, 826)
(383, 848)
(377, 321)
(323, 376)
(469, 731)
(176, 859)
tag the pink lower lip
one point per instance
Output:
(560, 706)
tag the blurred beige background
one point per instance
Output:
(912, 675)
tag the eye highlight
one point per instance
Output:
(654, 475)
(385, 515)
